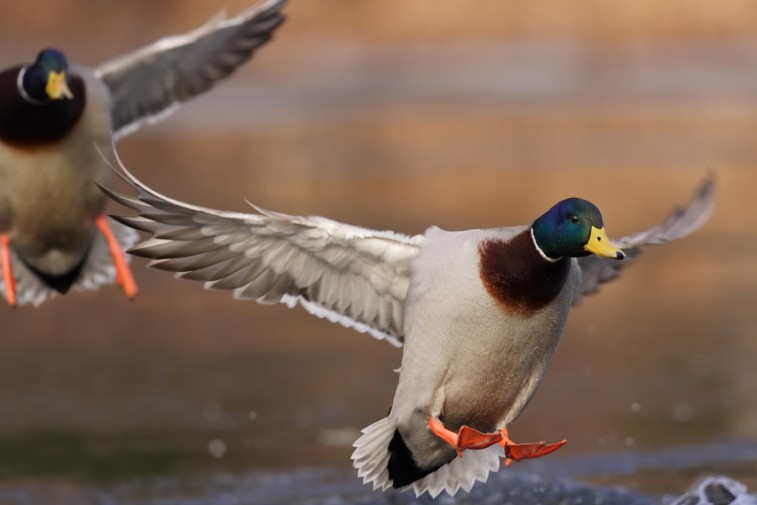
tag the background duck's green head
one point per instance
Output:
(46, 78)
(574, 228)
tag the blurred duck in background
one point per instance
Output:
(479, 312)
(58, 122)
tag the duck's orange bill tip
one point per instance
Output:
(7, 271)
(124, 277)
(518, 452)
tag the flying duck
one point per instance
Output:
(479, 312)
(58, 122)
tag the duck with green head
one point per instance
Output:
(572, 228)
(479, 312)
(46, 79)
(58, 122)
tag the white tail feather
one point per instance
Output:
(371, 457)
(460, 473)
(372, 453)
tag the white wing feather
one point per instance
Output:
(350, 275)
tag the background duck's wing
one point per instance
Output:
(682, 221)
(149, 83)
(350, 275)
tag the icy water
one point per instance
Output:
(189, 397)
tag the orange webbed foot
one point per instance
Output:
(465, 438)
(518, 452)
(470, 438)
(7, 270)
(124, 276)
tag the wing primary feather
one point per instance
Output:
(350, 275)
(682, 221)
(148, 84)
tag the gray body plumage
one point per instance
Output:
(467, 359)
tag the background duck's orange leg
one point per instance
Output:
(7, 270)
(124, 276)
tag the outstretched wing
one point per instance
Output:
(149, 83)
(683, 221)
(350, 275)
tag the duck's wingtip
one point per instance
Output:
(704, 199)
(709, 185)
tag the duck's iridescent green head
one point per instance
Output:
(573, 228)
(45, 79)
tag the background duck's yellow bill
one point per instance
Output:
(600, 245)
(57, 87)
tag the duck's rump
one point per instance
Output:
(54, 252)
(87, 269)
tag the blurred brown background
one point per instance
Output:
(399, 115)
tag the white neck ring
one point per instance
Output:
(22, 91)
(542, 253)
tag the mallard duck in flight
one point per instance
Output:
(55, 121)
(479, 312)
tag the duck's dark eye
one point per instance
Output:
(573, 218)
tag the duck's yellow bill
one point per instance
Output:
(600, 245)
(57, 87)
